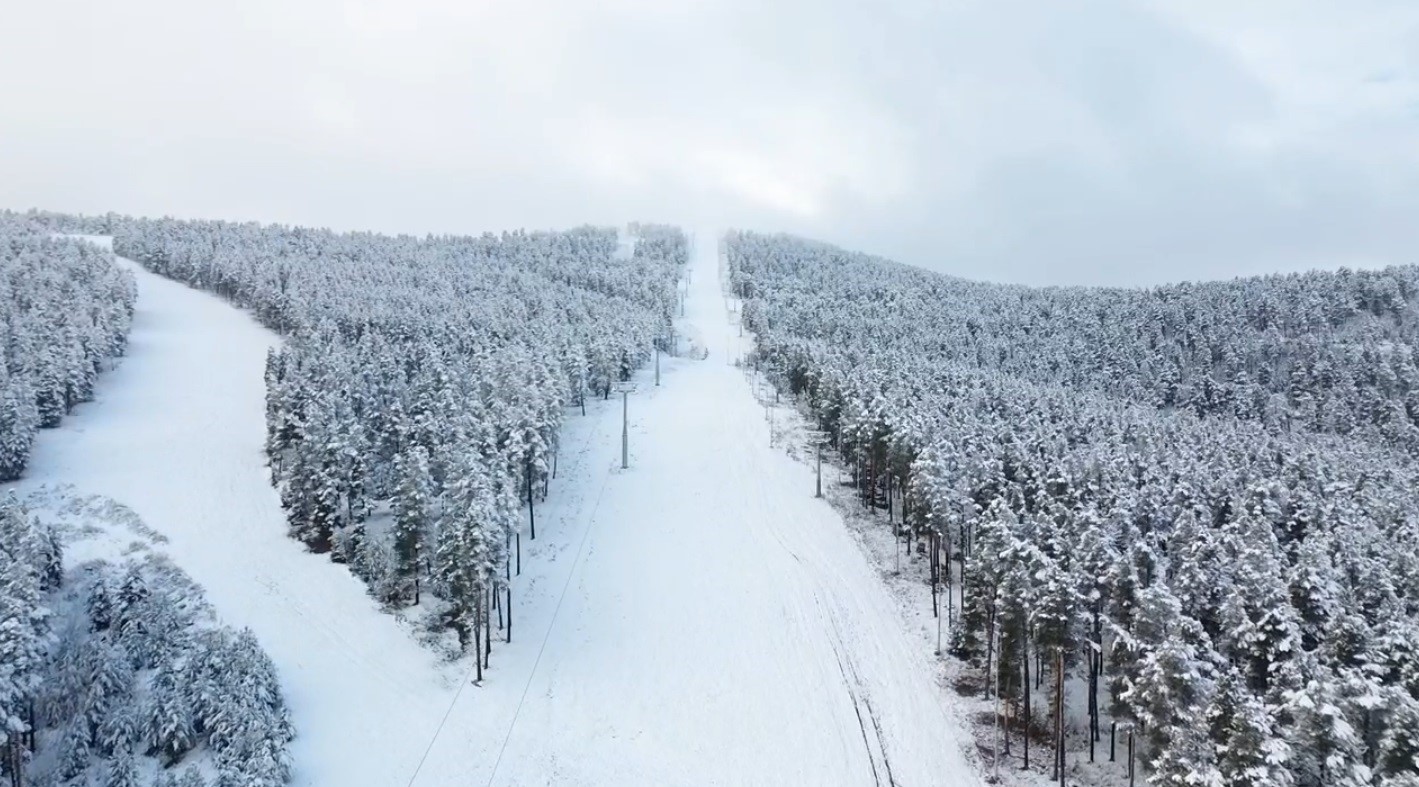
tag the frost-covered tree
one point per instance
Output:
(412, 514)
(171, 733)
(122, 771)
(396, 345)
(19, 420)
(159, 678)
(1226, 475)
(1251, 748)
(24, 631)
(65, 308)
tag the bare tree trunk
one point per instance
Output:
(487, 630)
(1029, 708)
(889, 497)
(12, 758)
(935, 575)
(531, 512)
(989, 647)
(477, 639)
(1056, 709)
(1093, 704)
(1059, 713)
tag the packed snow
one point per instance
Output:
(698, 618)
(710, 622)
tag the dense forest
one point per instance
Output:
(1199, 502)
(64, 311)
(413, 410)
(119, 674)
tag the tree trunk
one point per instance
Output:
(488, 629)
(1029, 708)
(946, 563)
(531, 511)
(11, 759)
(478, 640)
(1130, 758)
(889, 497)
(989, 648)
(1059, 714)
(1093, 704)
(935, 575)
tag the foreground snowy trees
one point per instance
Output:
(413, 410)
(1196, 505)
(64, 310)
(108, 665)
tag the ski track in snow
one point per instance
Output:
(721, 625)
(697, 619)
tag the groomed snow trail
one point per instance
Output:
(697, 619)
(176, 434)
(719, 625)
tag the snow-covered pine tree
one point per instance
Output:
(24, 631)
(122, 771)
(19, 420)
(1251, 750)
(412, 509)
(171, 733)
(1172, 692)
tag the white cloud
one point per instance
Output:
(1102, 141)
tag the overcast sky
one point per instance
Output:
(1090, 141)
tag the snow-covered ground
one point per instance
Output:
(719, 624)
(697, 619)
(175, 434)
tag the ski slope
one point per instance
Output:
(697, 619)
(719, 625)
(175, 434)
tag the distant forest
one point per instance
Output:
(1197, 503)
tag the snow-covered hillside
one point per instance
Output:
(696, 619)
(176, 434)
(714, 623)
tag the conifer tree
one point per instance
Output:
(411, 517)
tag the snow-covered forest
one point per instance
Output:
(413, 412)
(64, 311)
(1172, 528)
(118, 673)
(1192, 509)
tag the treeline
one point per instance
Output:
(413, 410)
(65, 309)
(1197, 502)
(1332, 352)
(120, 673)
